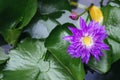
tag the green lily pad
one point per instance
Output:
(29, 62)
(103, 65)
(58, 47)
(51, 6)
(14, 15)
(112, 23)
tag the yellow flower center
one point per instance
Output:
(87, 40)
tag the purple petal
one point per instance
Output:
(73, 29)
(85, 55)
(83, 25)
(105, 46)
(76, 31)
(85, 59)
(96, 57)
(75, 55)
(102, 46)
(91, 24)
(68, 38)
(100, 54)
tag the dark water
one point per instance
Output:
(113, 73)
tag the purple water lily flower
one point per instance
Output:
(87, 41)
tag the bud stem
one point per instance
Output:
(78, 5)
(82, 13)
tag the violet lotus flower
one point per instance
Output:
(87, 41)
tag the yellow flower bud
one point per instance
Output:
(96, 14)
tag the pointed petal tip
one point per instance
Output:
(101, 54)
(70, 28)
(73, 29)
(97, 58)
(83, 25)
(106, 47)
(85, 59)
(67, 38)
(81, 18)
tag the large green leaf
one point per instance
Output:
(115, 1)
(115, 49)
(112, 23)
(55, 72)
(103, 65)
(11, 35)
(3, 56)
(51, 6)
(14, 15)
(28, 62)
(58, 47)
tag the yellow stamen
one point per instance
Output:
(87, 40)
